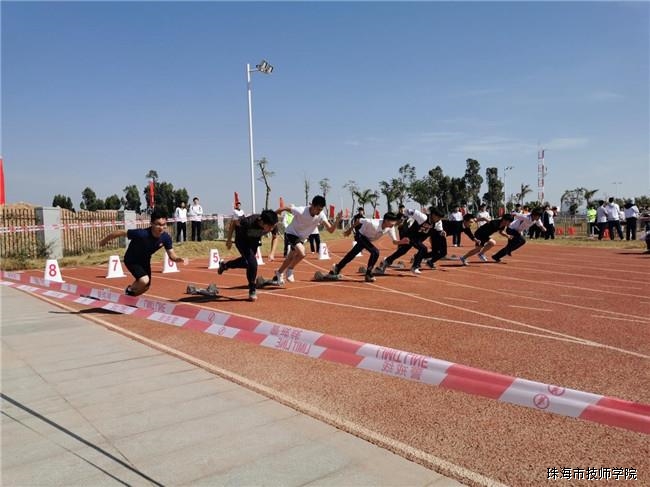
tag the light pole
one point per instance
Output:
(266, 68)
(505, 194)
(616, 184)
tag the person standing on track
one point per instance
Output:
(368, 230)
(248, 232)
(144, 242)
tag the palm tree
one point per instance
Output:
(364, 197)
(265, 176)
(352, 187)
(588, 194)
(525, 189)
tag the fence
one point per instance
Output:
(29, 232)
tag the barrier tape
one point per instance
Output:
(392, 362)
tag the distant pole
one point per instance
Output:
(250, 136)
(266, 68)
(505, 193)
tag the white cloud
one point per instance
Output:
(564, 143)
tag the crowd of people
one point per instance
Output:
(409, 228)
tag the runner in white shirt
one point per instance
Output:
(514, 231)
(305, 220)
(367, 231)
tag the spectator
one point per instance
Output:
(483, 216)
(195, 215)
(456, 225)
(631, 218)
(180, 215)
(601, 219)
(614, 219)
(591, 220)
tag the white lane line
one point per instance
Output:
(620, 319)
(459, 299)
(528, 307)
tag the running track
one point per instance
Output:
(577, 317)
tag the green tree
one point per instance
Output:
(422, 191)
(494, 195)
(589, 194)
(113, 202)
(353, 188)
(403, 182)
(63, 202)
(572, 199)
(523, 191)
(363, 197)
(307, 186)
(265, 176)
(457, 193)
(374, 200)
(473, 181)
(131, 200)
(181, 195)
(387, 190)
(325, 187)
(90, 202)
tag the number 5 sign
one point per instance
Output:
(214, 259)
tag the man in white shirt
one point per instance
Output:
(368, 230)
(456, 225)
(180, 215)
(195, 215)
(305, 220)
(631, 218)
(614, 219)
(237, 212)
(514, 231)
(483, 216)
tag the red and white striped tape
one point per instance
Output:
(396, 363)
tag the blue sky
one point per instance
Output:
(97, 94)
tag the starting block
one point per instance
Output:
(262, 282)
(326, 276)
(211, 291)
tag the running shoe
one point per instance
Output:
(415, 270)
(290, 276)
(370, 278)
(496, 259)
(252, 296)
(222, 267)
(278, 279)
(482, 257)
(463, 261)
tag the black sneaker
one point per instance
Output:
(128, 291)
(370, 278)
(222, 267)
(335, 270)
(496, 259)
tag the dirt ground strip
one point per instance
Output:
(577, 317)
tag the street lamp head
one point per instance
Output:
(264, 67)
(508, 168)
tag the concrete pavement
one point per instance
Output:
(82, 405)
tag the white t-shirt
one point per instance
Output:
(524, 222)
(631, 212)
(601, 214)
(483, 214)
(456, 216)
(613, 212)
(417, 215)
(195, 213)
(237, 214)
(181, 215)
(371, 229)
(303, 224)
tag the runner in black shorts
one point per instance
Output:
(483, 234)
(144, 242)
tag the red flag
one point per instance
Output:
(151, 194)
(281, 202)
(2, 183)
(332, 210)
(236, 198)
(376, 213)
